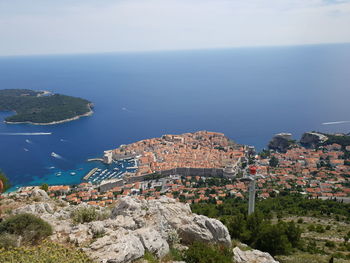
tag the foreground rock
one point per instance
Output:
(252, 256)
(133, 227)
(138, 225)
(121, 246)
(166, 215)
(36, 208)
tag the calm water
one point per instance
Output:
(249, 94)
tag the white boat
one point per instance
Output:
(55, 155)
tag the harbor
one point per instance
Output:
(115, 170)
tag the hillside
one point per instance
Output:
(36, 228)
(38, 107)
(293, 228)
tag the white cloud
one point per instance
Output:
(133, 25)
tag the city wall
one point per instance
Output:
(205, 172)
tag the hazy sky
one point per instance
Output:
(84, 26)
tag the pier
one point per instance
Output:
(87, 176)
(95, 160)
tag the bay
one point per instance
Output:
(247, 93)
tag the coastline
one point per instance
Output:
(89, 113)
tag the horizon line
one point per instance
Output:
(172, 50)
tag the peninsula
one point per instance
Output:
(42, 107)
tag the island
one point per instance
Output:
(42, 107)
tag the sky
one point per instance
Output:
(94, 26)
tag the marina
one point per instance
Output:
(115, 170)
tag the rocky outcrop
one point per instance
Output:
(166, 214)
(79, 234)
(312, 139)
(281, 142)
(36, 208)
(134, 226)
(153, 241)
(252, 256)
(204, 229)
(121, 246)
(41, 194)
(139, 225)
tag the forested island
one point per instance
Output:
(42, 107)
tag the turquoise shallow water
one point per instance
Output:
(248, 93)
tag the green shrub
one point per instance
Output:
(312, 247)
(273, 239)
(8, 240)
(5, 181)
(204, 253)
(330, 244)
(150, 258)
(319, 229)
(44, 187)
(175, 254)
(88, 214)
(300, 221)
(31, 228)
(311, 227)
(173, 237)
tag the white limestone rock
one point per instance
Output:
(127, 206)
(202, 228)
(36, 208)
(166, 214)
(97, 228)
(118, 248)
(80, 234)
(126, 222)
(153, 241)
(39, 193)
(252, 256)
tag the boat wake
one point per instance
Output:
(126, 109)
(335, 122)
(28, 141)
(55, 155)
(25, 149)
(25, 133)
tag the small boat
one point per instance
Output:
(55, 155)
(73, 173)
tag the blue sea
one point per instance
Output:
(247, 93)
